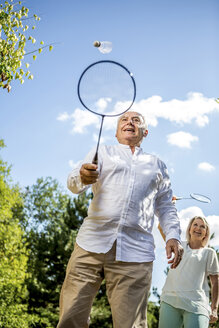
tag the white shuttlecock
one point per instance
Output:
(103, 46)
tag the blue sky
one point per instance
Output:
(172, 49)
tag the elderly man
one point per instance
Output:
(115, 241)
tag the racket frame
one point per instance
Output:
(111, 62)
(207, 199)
(193, 196)
(95, 159)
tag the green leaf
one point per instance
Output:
(50, 48)
(12, 45)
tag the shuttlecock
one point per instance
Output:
(103, 46)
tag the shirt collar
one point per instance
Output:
(138, 150)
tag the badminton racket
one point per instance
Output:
(106, 88)
(198, 197)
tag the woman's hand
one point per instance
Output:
(214, 280)
(213, 316)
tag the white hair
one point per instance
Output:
(144, 124)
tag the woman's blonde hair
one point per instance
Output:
(207, 236)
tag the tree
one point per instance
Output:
(51, 220)
(13, 254)
(101, 313)
(216, 324)
(13, 17)
(37, 233)
(153, 315)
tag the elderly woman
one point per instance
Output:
(185, 295)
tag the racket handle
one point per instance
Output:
(95, 159)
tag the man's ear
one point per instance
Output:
(145, 133)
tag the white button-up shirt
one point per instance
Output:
(131, 188)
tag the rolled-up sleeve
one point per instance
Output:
(74, 183)
(165, 210)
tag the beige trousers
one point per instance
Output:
(127, 284)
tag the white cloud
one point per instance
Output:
(63, 117)
(172, 170)
(195, 108)
(81, 119)
(110, 123)
(102, 139)
(213, 220)
(181, 139)
(205, 166)
(73, 164)
(185, 215)
(102, 104)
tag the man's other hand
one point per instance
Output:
(174, 246)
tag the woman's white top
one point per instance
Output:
(186, 287)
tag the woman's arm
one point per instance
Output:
(214, 279)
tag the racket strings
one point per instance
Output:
(107, 88)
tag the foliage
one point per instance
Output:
(153, 315)
(13, 39)
(13, 254)
(33, 263)
(216, 324)
(51, 220)
(156, 294)
(101, 313)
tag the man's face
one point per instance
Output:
(130, 129)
